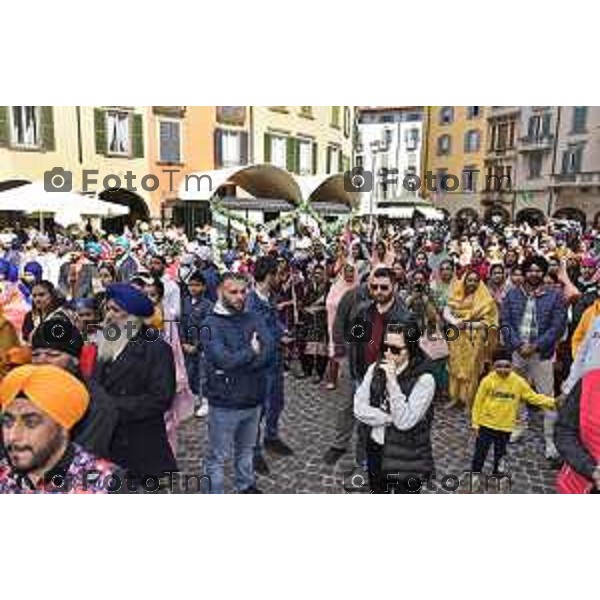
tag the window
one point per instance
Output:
(306, 111)
(579, 119)
(469, 178)
(335, 116)
(446, 115)
(440, 181)
(388, 137)
(412, 139)
(347, 121)
(472, 141)
(306, 157)
(444, 143)
(535, 165)
(117, 126)
(572, 160)
(279, 151)
(170, 141)
(25, 126)
(333, 159)
(473, 112)
(359, 161)
(231, 148)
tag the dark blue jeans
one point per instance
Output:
(231, 430)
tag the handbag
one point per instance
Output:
(434, 344)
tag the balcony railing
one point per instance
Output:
(528, 143)
(579, 179)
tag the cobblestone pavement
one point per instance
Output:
(308, 427)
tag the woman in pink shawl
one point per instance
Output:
(347, 280)
(382, 254)
(183, 404)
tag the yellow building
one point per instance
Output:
(101, 147)
(454, 153)
(306, 140)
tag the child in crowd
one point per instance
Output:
(496, 408)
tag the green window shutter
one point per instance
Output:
(48, 128)
(291, 154)
(267, 149)
(4, 126)
(100, 130)
(315, 158)
(137, 136)
(328, 160)
(297, 156)
(340, 162)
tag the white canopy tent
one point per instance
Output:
(68, 208)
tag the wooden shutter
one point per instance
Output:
(47, 128)
(565, 162)
(4, 126)
(267, 148)
(328, 160)
(137, 136)
(218, 148)
(315, 158)
(340, 161)
(292, 152)
(244, 147)
(100, 130)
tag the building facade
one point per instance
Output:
(575, 182)
(101, 147)
(304, 140)
(389, 146)
(453, 157)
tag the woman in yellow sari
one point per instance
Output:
(473, 310)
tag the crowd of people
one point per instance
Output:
(109, 343)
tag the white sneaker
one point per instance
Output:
(517, 433)
(551, 451)
(203, 410)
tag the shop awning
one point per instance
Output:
(259, 204)
(260, 181)
(430, 213)
(331, 208)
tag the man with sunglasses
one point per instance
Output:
(364, 319)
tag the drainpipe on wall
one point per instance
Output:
(554, 157)
(79, 144)
(251, 135)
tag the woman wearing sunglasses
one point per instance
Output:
(395, 401)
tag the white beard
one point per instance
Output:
(108, 350)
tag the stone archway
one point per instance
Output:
(571, 214)
(493, 212)
(531, 216)
(467, 215)
(138, 209)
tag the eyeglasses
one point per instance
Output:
(383, 288)
(395, 350)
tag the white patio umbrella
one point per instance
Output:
(68, 208)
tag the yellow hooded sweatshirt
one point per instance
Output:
(498, 399)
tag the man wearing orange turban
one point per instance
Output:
(40, 406)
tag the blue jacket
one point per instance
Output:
(268, 311)
(192, 317)
(211, 277)
(551, 316)
(236, 376)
